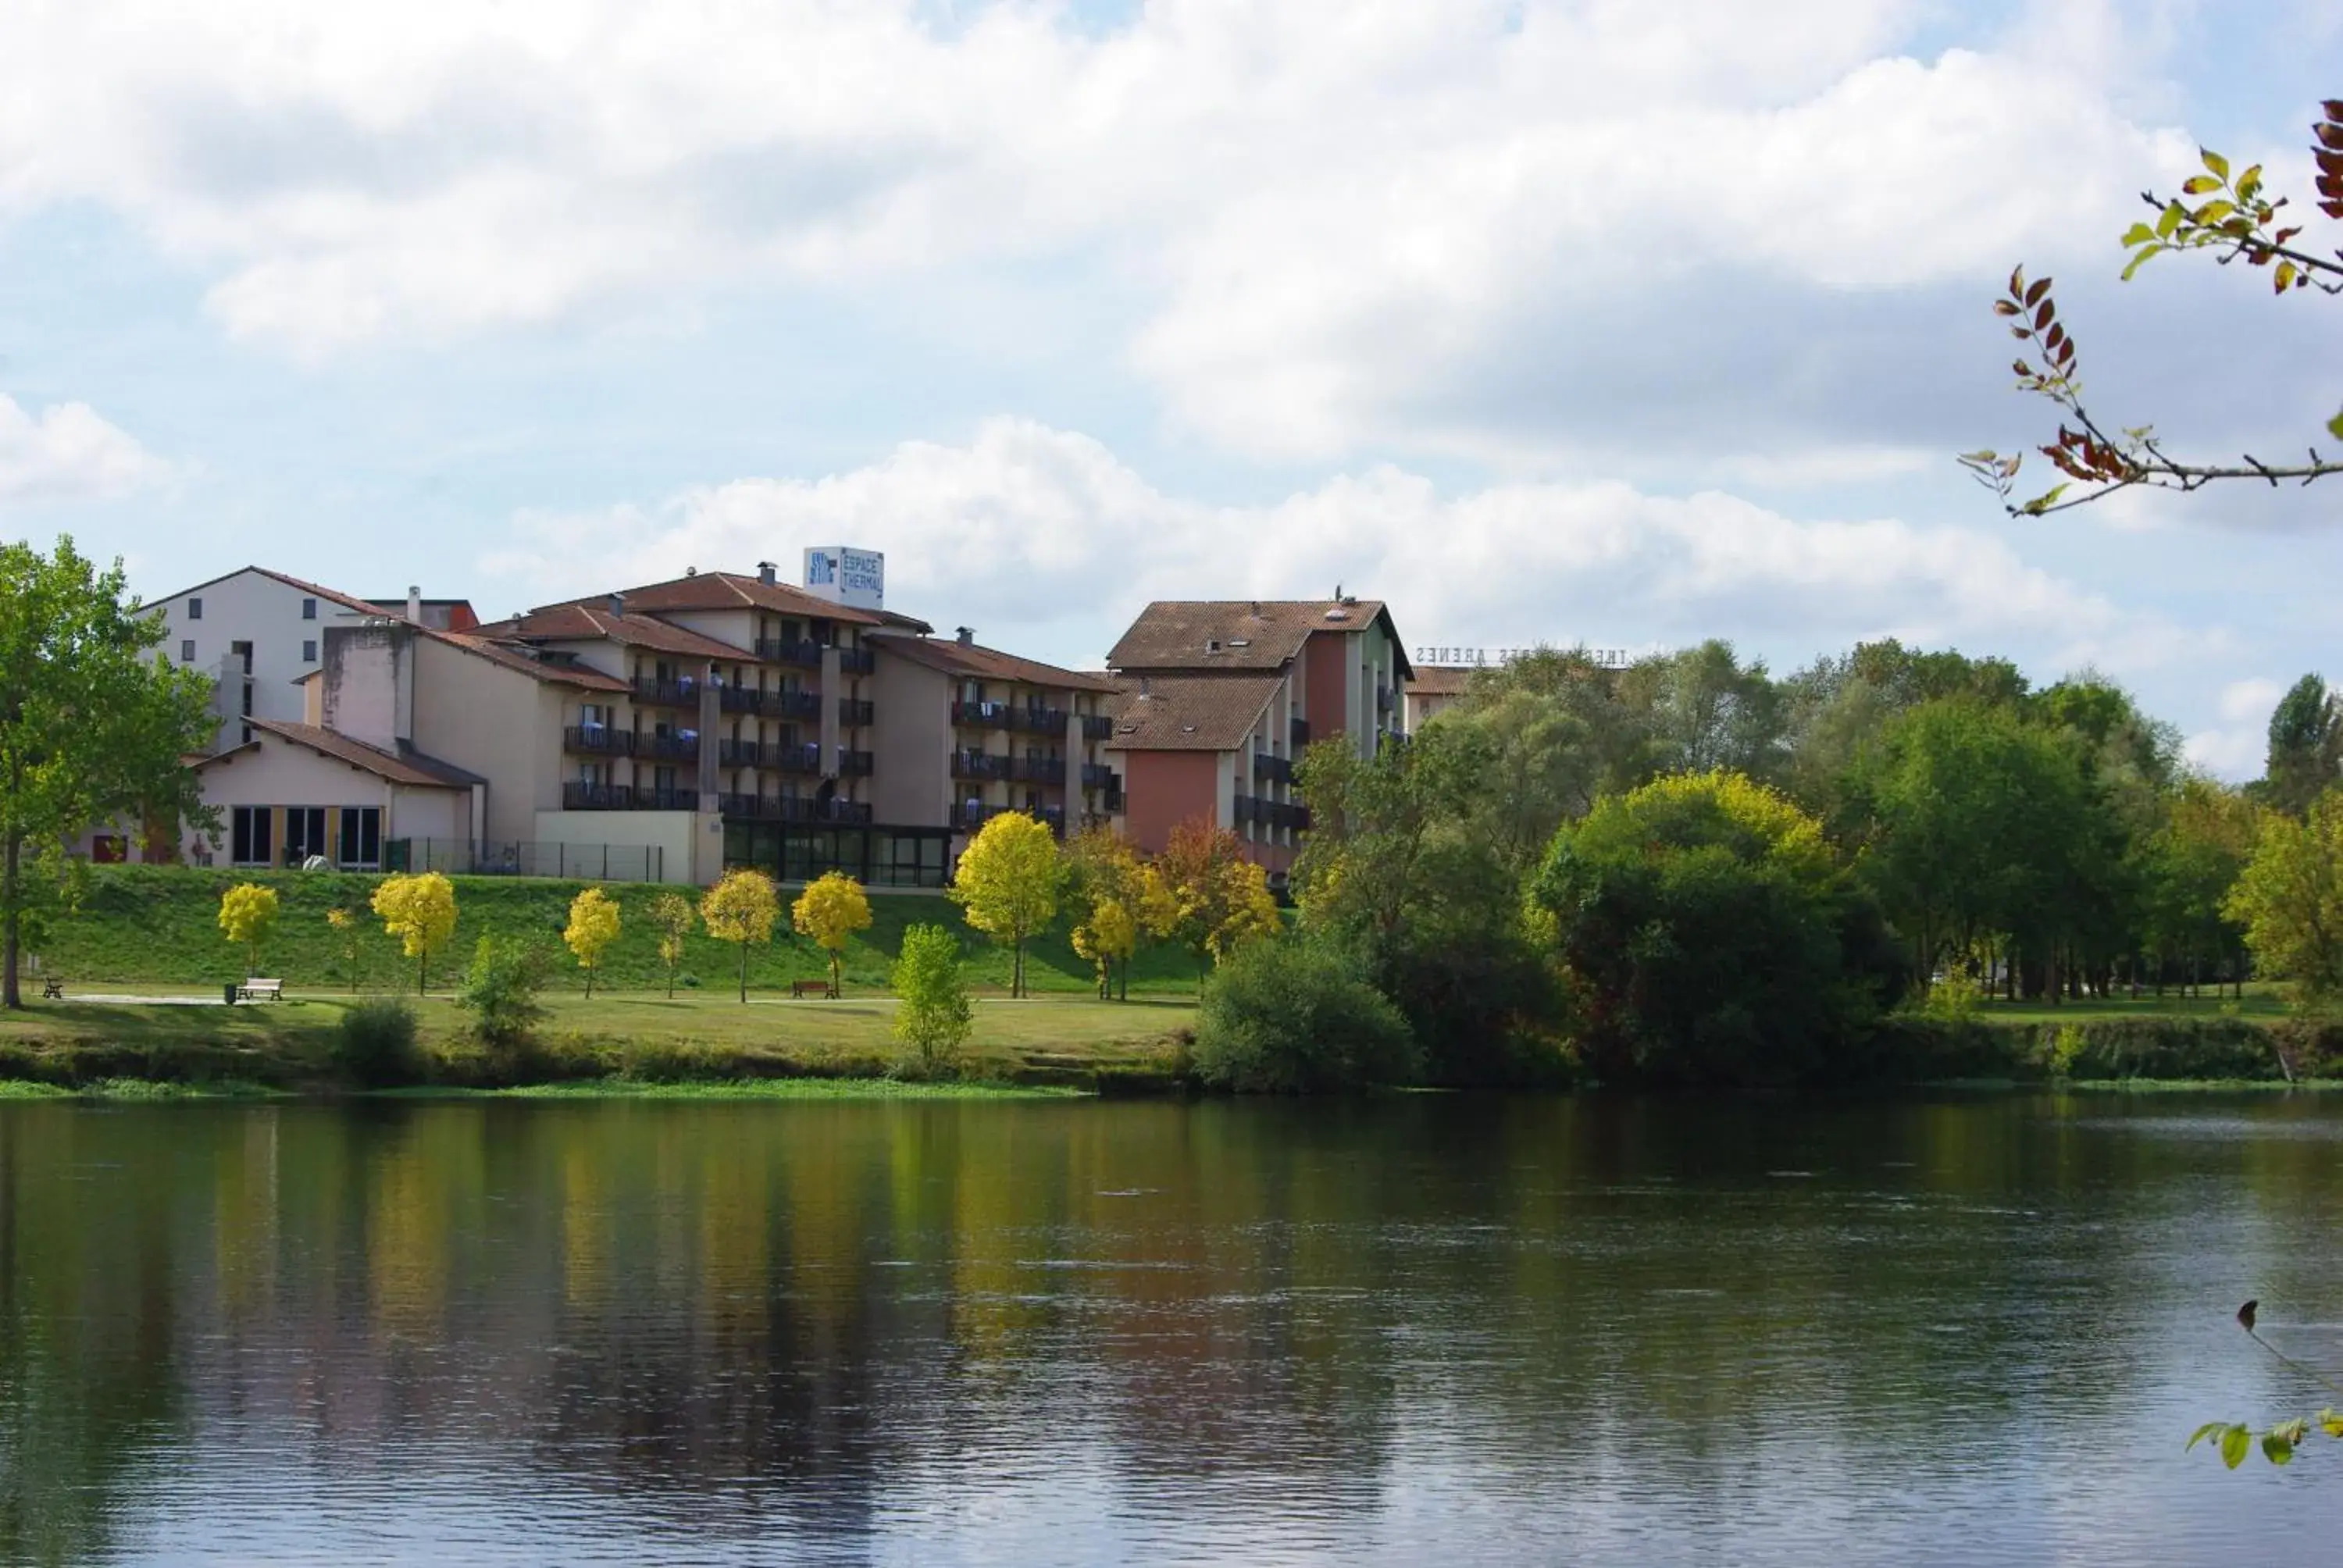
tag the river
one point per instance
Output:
(1424, 1330)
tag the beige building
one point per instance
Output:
(1430, 689)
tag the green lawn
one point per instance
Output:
(150, 925)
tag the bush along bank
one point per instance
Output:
(1910, 1048)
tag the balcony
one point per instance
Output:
(579, 796)
(668, 748)
(771, 704)
(979, 765)
(980, 715)
(598, 740)
(684, 693)
(1300, 734)
(805, 652)
(651, 800)
(779, 808)
(1037, 720)
(1268, 767)
(1099, 776)
(739, 754)
(853, 764)
(1039, 770)
(970, 816)
(1382, 699)
(854, 712)
(805, 759)
(1097, 727)
(1270, 813)
(856, 661)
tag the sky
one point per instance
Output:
(1618, 322)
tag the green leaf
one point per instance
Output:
(2137, 234)
(2169, 219)
(2237, 1441)
(2331, 1421)
(2139, 260)
(2198, 185)
(2045, 501)
(2215, 211)
(2276, 1449)
(2215, 161)
(2291, 1432)
(2284, 277)
(2210, 1429)
(2335, 427)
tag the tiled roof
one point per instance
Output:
(732, 590)
(585, 622)
(1239, 634)
(1439, 680)
(975, 661)
(513, 658)
(410, 767)
(1190, 712)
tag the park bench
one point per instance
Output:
(821, 988)
(53, 987)
(261, 990)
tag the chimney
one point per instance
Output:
(414, 604)
(1142, 686)
(967, 635)
(619, 604)
(767, 572)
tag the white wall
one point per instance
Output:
(252, 606)
(673, 832)
(279, 773)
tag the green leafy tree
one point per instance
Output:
(94, 727)
(1007, 884)
(421, 911)
(672, 917)
(2289, 898)
(501, 991)
(2306, 745)
(1298, 1015)
(248, 914)
(830, 910)
(593, 927)
(1710, 935)
(2231, 214)
(2188, 865)
(741, 909)
(933, 1014)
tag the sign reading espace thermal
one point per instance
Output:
(847, 576)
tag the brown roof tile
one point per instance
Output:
(977, 661)
(514, 659)
(584, 622)
(1190, 712)
(411, 767)
(1439, 680)
(731, 590)
(1239, 634)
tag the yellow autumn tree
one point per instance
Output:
(247, 913)
(672, 917)
(421, 911)
(741, 909)
(593, 926)
(832, 909)
(1007, 884)
(1219, 900)
(1108, 937)
(349, 940)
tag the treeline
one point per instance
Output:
(1693, 870)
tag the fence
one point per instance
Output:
(526, 858)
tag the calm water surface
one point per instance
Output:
(1967, 1331)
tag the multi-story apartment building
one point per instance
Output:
(1220, 697)
(966, 731)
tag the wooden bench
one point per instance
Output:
(261, 990)
(821, 988)
(53, 987)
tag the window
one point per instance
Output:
(309, 609)
(305, 833)
(309, 652)
(360, 847)
(195, 609)
(250, 837)
(187, 650)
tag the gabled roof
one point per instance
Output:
(584, 622)
(1200, 635)
(515, 659)
(730, 591)
(335, 596)
(974, 661)
(1190, 712)
(1439, 680)
(409, 768)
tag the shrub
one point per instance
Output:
(932, 1015)
(675, 1061)
(374, 1045)
(500, 992)
(2066, 1047)
(1296, 1016)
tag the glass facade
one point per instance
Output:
(877, 857)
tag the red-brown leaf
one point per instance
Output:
(2034, 294)
(2004, 307)
(2042, 316)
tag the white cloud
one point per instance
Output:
(1031, 526)
(1329, 210)
(2236, 748)
(66, 453)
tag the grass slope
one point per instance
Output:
(159, 926)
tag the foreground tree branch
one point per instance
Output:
(2230, 215)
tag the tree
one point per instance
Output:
(92, 728)
(1007, 883)
(501, 990)
(2188, 866)
(593, 927)
(349, 940)
(932, 1015)
(2306, 745)
(1219, 901)
(1127, 900)
(421, 911)
(2232, 215)
(1298, 1016)
(832, 907)
(2289, 898)
(1109, 936)
(741, 907)
(1710, 935)
(672, 917)
(248, 914)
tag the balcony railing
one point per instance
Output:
(852, 764)
(854, 712)
(1039, 770)
(684, 693)
(668, 748)
(856, 661)
(1268, 767)
(1270, 813)
(580, 797)
(1037, 720)
(1099, 776)
(739, 754)
(778, 809)
(805, 651)
(1097, 727)
(980, 715)
(598, 740)
(979, 765)
(969, 816)
(771, 704)
(804, 758)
